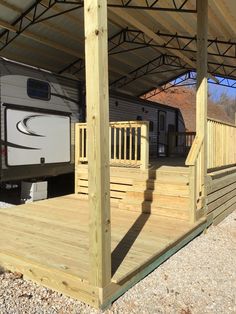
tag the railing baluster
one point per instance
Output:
(115, 137)
(135, 144)
(125, 143)
(130, 143)
(110, 141)
(120, 142)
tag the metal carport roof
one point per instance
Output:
(151, 42)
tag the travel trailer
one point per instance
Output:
(38, 113)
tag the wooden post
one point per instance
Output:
(97, 100)
(144, 151)
(201, 96)
(77, 154)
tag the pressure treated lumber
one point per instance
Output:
(97, 100)
(202, 86)
(221, 198)
(221, 144)
(55, 252)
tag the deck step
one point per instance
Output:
(158, 200)
(163, 191)
(171, 179)
(151, 208)
(164, 188)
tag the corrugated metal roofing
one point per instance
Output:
(138, 61)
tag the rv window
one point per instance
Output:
(38, 89)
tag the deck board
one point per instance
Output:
(54, 234)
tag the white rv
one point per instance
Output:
(38, 112)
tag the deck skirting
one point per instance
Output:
(221, 198)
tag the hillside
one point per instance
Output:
(184, 98)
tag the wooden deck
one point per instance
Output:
(48, 242)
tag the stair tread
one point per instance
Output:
(155, 205)
(154, 192)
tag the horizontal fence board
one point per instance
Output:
(217, 184)
(217, 194)
(221, 199)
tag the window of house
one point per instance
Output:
(151, 126)
(38, 89)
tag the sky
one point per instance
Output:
(216, 90)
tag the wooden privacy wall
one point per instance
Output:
(129, 143)
(221, 144)
(221, 198)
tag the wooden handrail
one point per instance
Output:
(127, 123)
(194, 151)
(222, 122)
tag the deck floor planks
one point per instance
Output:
(54, 233)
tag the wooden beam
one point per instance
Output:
(97, 100)
(202, 85)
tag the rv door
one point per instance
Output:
(162, 135)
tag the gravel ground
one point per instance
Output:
(5, 205)
(201, 278)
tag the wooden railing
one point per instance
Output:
(128, 142)
(195, 161)
(179, 143)
(221, 152)
(221, 144)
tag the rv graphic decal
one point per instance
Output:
(23, 127)
(9, 144)
(40, 136)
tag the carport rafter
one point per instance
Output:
(173, 41)
(136, 37)
(23, 22)
(187, 79)
(170, 6)
(175, 63)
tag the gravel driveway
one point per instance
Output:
(201, 278)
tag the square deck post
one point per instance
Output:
(97, 100)
(202, 84)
